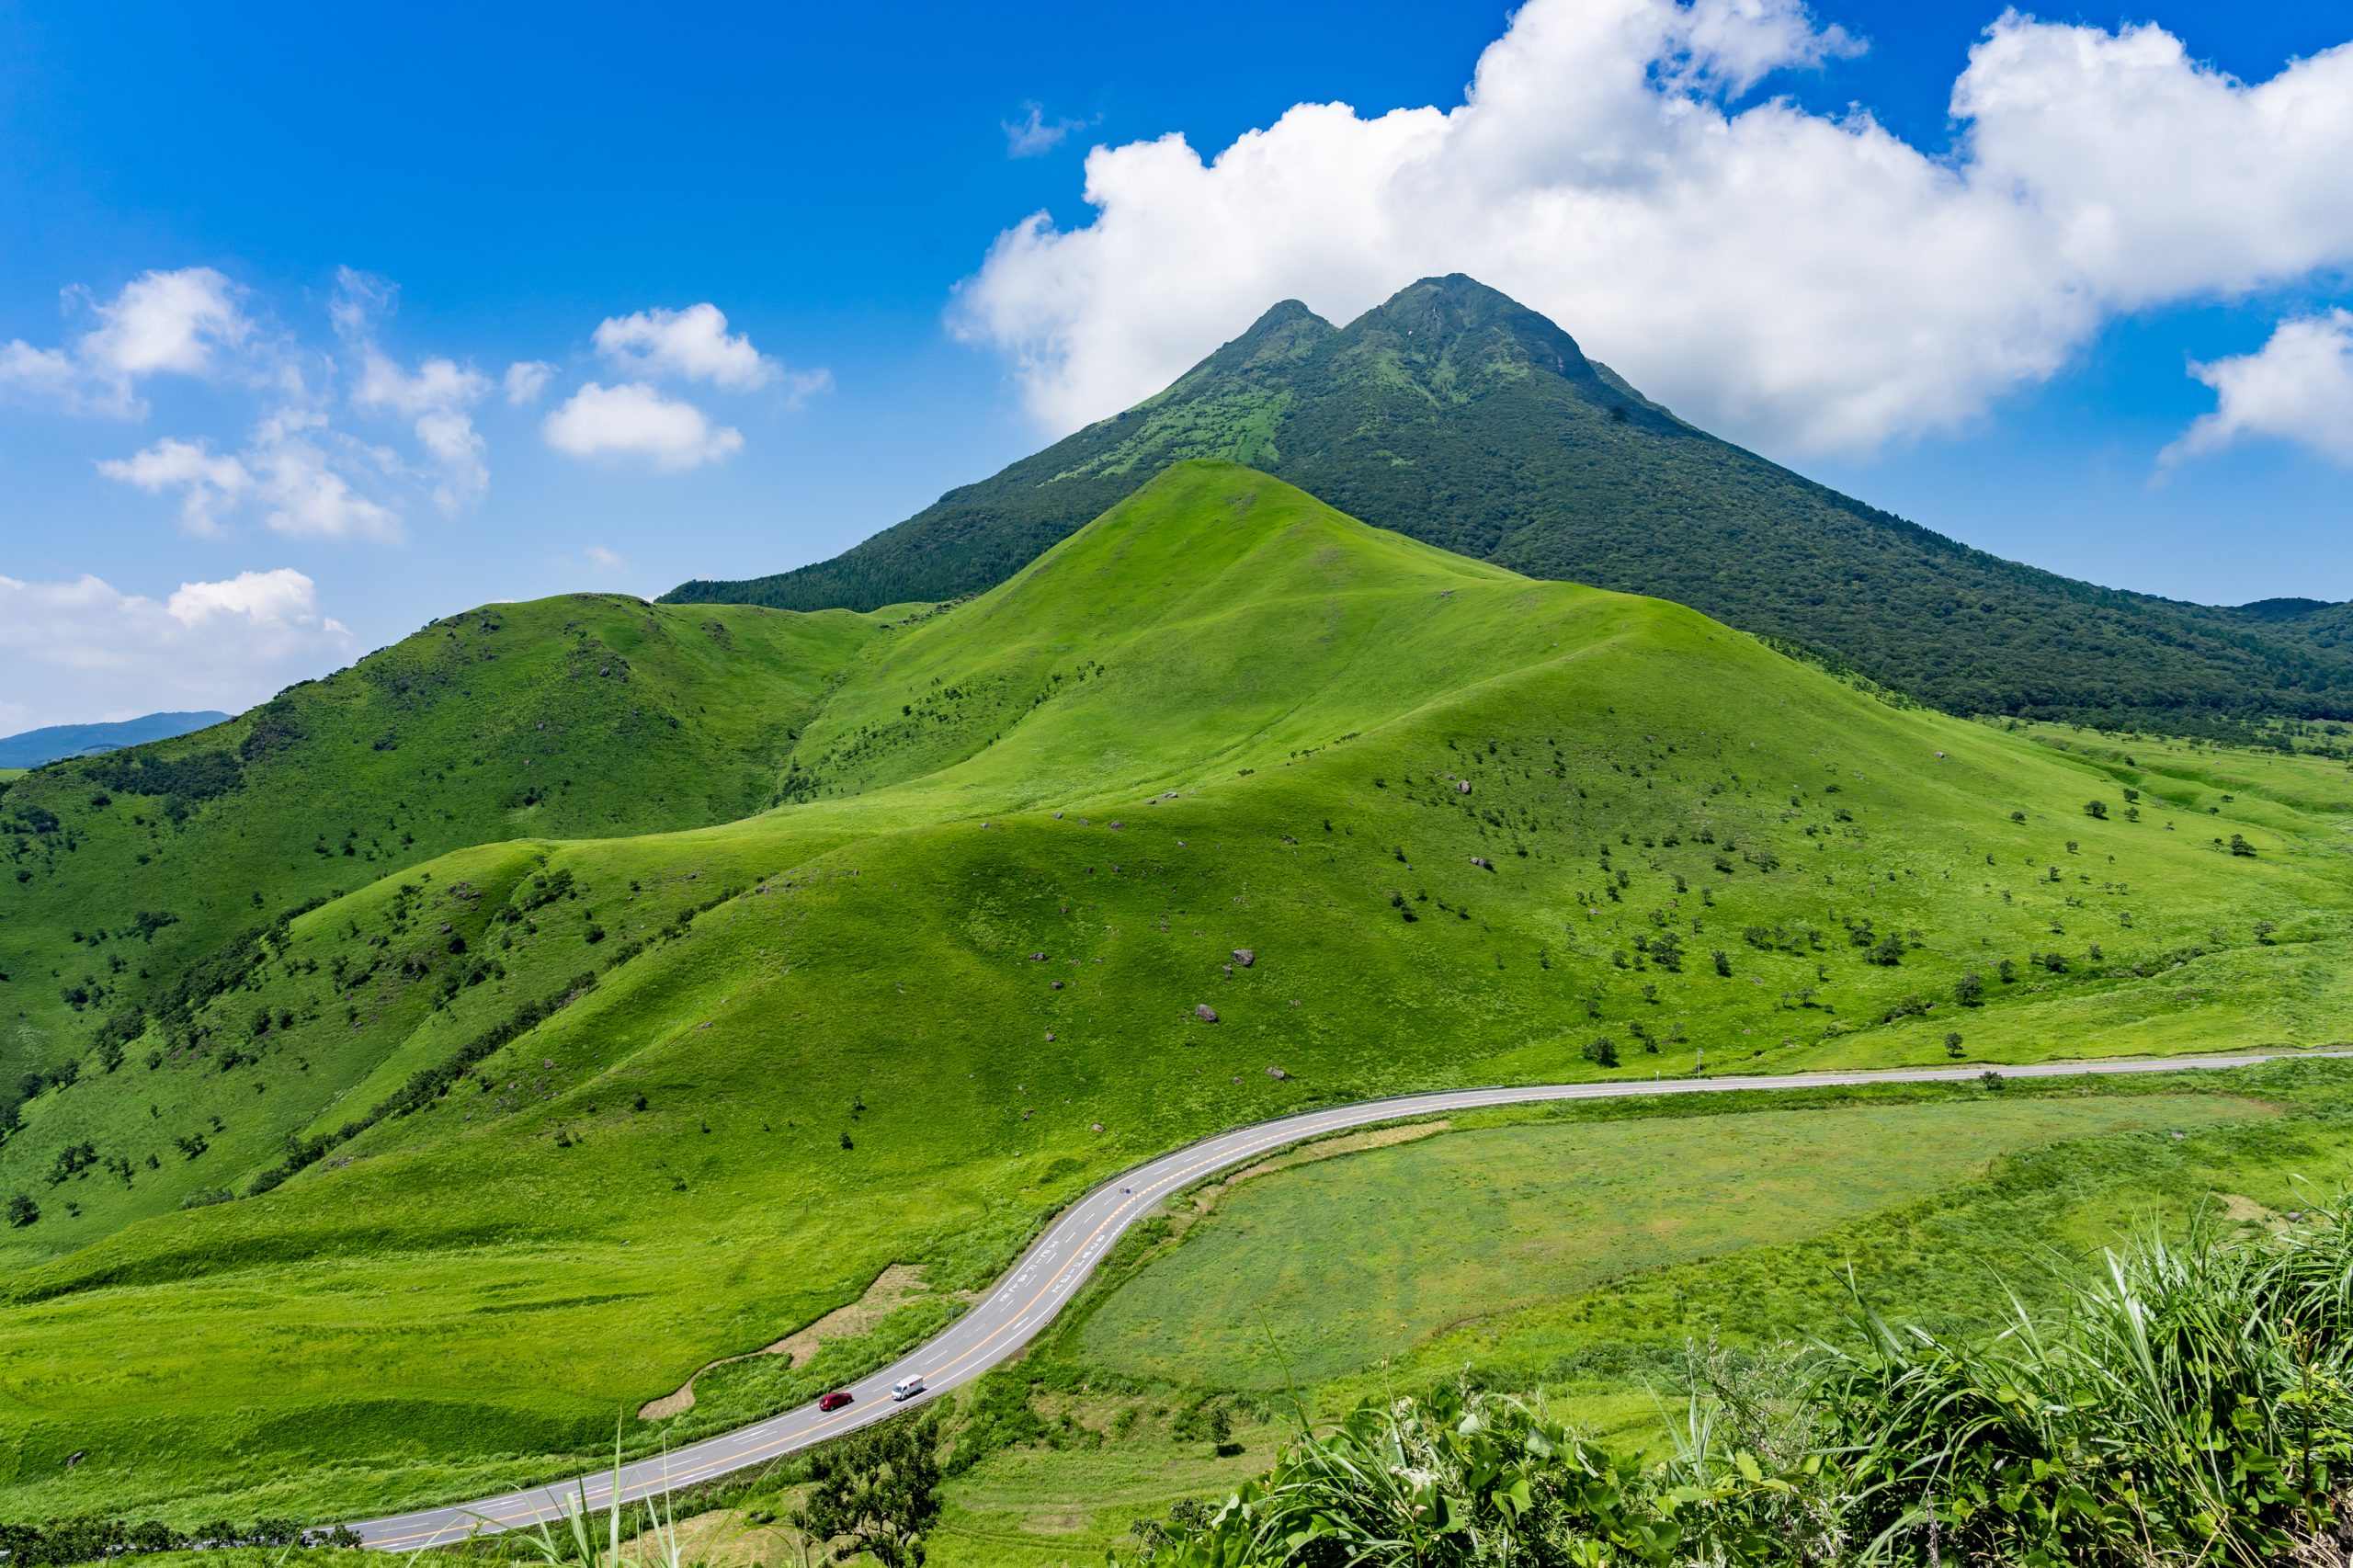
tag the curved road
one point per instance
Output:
(1054, 1268)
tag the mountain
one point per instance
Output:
(1226, 804)
(31, 748)
(1456, 416)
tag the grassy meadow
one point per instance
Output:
(416, 1191)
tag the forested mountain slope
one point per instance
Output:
(1456, 416)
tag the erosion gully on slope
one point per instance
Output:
(1053, 1270)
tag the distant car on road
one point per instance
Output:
(907, 1388)
(835, 1400)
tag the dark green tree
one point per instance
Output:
(876, 1492)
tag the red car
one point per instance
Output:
(835, 1400)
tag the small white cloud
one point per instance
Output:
(1033, 133)
(435, 397)
(167, 321)
(634, 420)
(602, 559)
(283, 598)
(185, 323)
(287, 470)
(46, 375)
(210, 482)
(526, 380)
(799, 386)
(2297, 387)
(303, 489)
(221, 645)
(693, 344)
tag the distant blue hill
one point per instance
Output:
(36, 746)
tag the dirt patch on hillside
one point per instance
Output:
(725, 1537)
(893, 1288)
(2236, 1206)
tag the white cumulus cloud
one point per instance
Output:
(1794, 278)
(633, 420)
(220, 644)
(295, 471)
(2297, 387)
(189, 323)
(210, 482)
(693, 344)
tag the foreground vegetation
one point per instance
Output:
(409, 1195)
(2192, 1402)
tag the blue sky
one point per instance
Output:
(487, 187)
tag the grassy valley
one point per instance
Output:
(409, 1179)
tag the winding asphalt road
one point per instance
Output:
(1053, 1271)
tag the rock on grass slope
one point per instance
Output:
(538, 1127)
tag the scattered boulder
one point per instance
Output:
(1462, 786)
(1050, 1039)
(1117, 826)
(1245, 957)
(1206, 1013)
(1095, 1127)
(1483, 862)
(1058, 985)
(1037, 958)
(1276, 1073)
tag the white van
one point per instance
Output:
(907, 1388)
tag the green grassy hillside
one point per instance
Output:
(511, 1141)
(1458, 416)
(575, 717)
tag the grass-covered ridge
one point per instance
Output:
(583, 716)
(573, 1116)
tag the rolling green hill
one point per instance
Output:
(1454, 415)
(577, 717)
(1226, 804)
